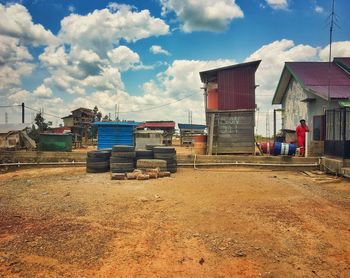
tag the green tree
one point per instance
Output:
(41, 127)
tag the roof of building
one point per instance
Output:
(210, 75)
(313, 77)
(343, 62)
(6, 128)
(116, 123)
(157, 124)
(69, 116)
(82, 108)
(192, 126)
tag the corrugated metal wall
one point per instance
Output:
(110, 135)
(234, 132)
(236, 88)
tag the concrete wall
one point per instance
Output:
(295, 110)
(9, 141)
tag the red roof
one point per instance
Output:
(157, 124)
(313, 76)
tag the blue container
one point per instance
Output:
(115, 133)
(284, 149)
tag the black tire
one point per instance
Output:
(123, 154)
(144, 153)
(102, 164)
(117, 159)
(165, 156)
(97, 170)
(151, 147)
(172, 170)
(122, 165)
(123, 148)
(96, 159)
(164, 150)
(99, 154)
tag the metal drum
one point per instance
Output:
(284, 149)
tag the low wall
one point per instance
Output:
(29, 156)
(274, 162)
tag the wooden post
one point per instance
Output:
(211, 134)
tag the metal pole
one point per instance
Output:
(22, 112)
(274, 124)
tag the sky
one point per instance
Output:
(145, 56)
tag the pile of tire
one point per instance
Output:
(169, 155)
(144, 154)
(122, 159)
(151, 164)
(151, 147)
(98, 161)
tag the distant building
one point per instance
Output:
(230, 108)
(306, 90)
(14, 136)
(79, 121)
(168, 128)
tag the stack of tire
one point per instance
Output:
(122, 159)
(98, 161)
(151, 147)
(169, 155)
(144, 154)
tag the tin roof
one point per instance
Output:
(6, 128)
(211, 75)
(116, 123)
(343, 62)
(192, 126)
(157, 124)
(313, 77)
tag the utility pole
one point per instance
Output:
(6, 118)
(330, 53)
(22, 112)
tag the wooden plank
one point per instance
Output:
(211, 134)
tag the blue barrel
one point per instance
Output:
(284, 149)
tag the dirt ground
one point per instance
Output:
(198, 223)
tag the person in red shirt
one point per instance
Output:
(300, 131)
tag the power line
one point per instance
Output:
(40, 112)
(159, 106)
(7, 106)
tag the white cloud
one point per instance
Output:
(278, 4)
(100, 30)
(339, 49)
(124, 58)
(71, 8)
(157, 49)
(42, 92)
(203, 15)
(16, 22)
(273, 56)
(14, 62)
(319, 9)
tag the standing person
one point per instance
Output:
(300, 131)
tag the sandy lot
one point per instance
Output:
(209, 223)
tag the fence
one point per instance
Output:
(337, 141)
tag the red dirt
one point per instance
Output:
(214, 223)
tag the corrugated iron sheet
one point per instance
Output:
(192, 126)
(157, 124)
(314, 76)
(236, 88)
(114, 133)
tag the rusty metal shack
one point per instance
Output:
(168, 128)
(229, 95)
(15, 137)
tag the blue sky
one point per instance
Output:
(64, 54)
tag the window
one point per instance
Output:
(319, 128)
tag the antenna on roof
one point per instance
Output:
(330, 51)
